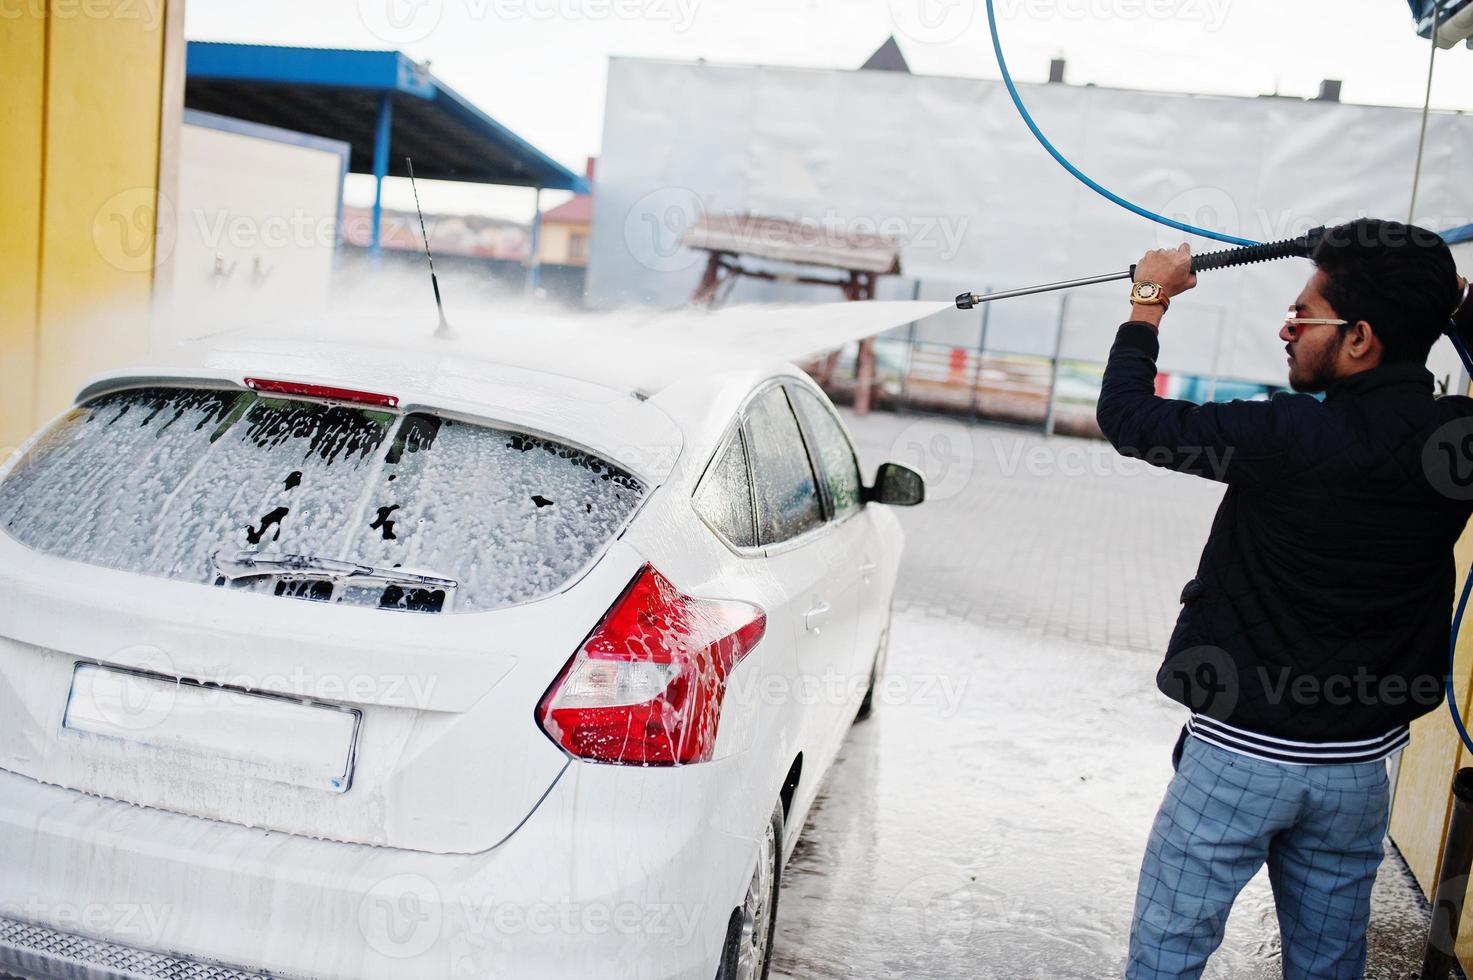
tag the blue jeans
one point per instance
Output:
(1319, 828)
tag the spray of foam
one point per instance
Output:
(394, 307)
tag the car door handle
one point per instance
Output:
(815, 616)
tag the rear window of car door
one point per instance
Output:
(832, 449)
(786, 491)
(724, 497)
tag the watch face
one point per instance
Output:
(1147, 290)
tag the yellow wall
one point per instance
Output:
(22, 99)
(554, 247)
(81, 103)
(1423, 804)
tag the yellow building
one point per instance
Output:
(89, 119)
(565, 229)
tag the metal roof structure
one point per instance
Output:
(382, 103)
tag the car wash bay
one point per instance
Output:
(989, 820)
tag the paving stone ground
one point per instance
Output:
(1054, 549)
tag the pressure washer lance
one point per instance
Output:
(1300, 247)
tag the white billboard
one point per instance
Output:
(947, 166)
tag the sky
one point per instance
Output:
(539, 66)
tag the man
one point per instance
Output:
(1317, 626)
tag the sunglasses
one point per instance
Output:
(1293, 323)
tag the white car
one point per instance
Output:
(325, 659)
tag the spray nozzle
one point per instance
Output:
(1300, 247)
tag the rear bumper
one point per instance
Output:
(41, 953)
(610, 877)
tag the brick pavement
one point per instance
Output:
(1060, 536)
(1011, 828)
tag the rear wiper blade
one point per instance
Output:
(249, 564)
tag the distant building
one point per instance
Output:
(565, 230)
(450, 234)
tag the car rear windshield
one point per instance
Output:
(166, 481)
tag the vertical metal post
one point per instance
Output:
(381, 134)
(1452, 882)
(534, 262)
(1426, 107)
(910, 349)
(981, 353)
(1217, 354)
(1053, 383)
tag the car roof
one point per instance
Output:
(634, 396)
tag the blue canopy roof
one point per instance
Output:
(1456, 236)
(347, 95)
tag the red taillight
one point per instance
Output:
(322, 391)
(645, 688)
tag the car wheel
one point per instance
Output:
(748, 952)
(877, 671)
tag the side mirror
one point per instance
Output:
(896, 485)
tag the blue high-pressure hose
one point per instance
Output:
(1007, 80)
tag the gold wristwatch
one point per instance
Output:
(1147, 293)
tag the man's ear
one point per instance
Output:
(1360, 341)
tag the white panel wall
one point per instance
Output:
(256, 221)
(948, 166)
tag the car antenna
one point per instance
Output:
(443, 330)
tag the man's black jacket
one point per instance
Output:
(1322, 602)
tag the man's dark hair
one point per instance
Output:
(1399, 278)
